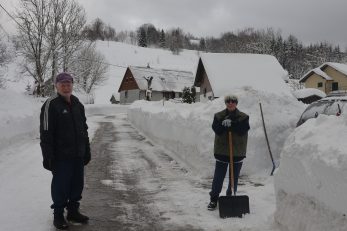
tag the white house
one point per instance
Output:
(218, 73)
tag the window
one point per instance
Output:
(320, 84)
(126, 94)
(335, 86)
(205, 91)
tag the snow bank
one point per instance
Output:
(101, 109)
(312, 177)
(306, 92)
(186, 131)
(18, 116)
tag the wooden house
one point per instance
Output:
(328, 77)
(153, 84)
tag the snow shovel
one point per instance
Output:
(232, 206)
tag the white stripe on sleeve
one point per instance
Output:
(45, 116)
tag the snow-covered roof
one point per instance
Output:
(317, 71)
(163, 79)
(306, 92)
(337, 66)
(226, 71)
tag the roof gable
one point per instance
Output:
(122, 85)
(226, 71)
(317, 71)
(337, 66)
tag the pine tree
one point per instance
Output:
(176, 42)
(202, 44)
(162, 40)
(142, 37)
(186, 97)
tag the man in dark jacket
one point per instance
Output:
(65, 150)
(230, 119)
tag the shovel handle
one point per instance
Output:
(231, 163)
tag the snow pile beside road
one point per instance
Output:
(18, 118)
(311, 183)
(186, 131)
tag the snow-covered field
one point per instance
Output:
(310, 183)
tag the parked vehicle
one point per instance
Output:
(333, 105)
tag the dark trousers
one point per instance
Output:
(67, 184)
(218, 178)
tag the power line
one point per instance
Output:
(11, 16)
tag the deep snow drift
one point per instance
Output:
(185, 129)
(19, 116)
(311, 183)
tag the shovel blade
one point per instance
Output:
(233, 206)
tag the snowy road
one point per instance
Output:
(117, 194)
(131, 184)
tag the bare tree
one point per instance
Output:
(175, 40)
(33, 19)
(5, 58)
(53, 36)
(89, 68)
(72, 24)
(110, 33)
(98, 27)
(50, 32)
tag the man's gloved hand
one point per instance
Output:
(227, 123)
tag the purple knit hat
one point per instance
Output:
(63, 77)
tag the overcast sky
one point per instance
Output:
(309, 20)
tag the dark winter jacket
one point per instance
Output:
(63, 131)
(239, 128)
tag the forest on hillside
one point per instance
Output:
(292, 54)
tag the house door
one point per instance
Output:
(335, 86)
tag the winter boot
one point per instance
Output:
(75, 216)
(212, 205)
(59, 222)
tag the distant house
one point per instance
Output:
(154, 84)
(327, 77)
(218, 73)
(308, 95)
